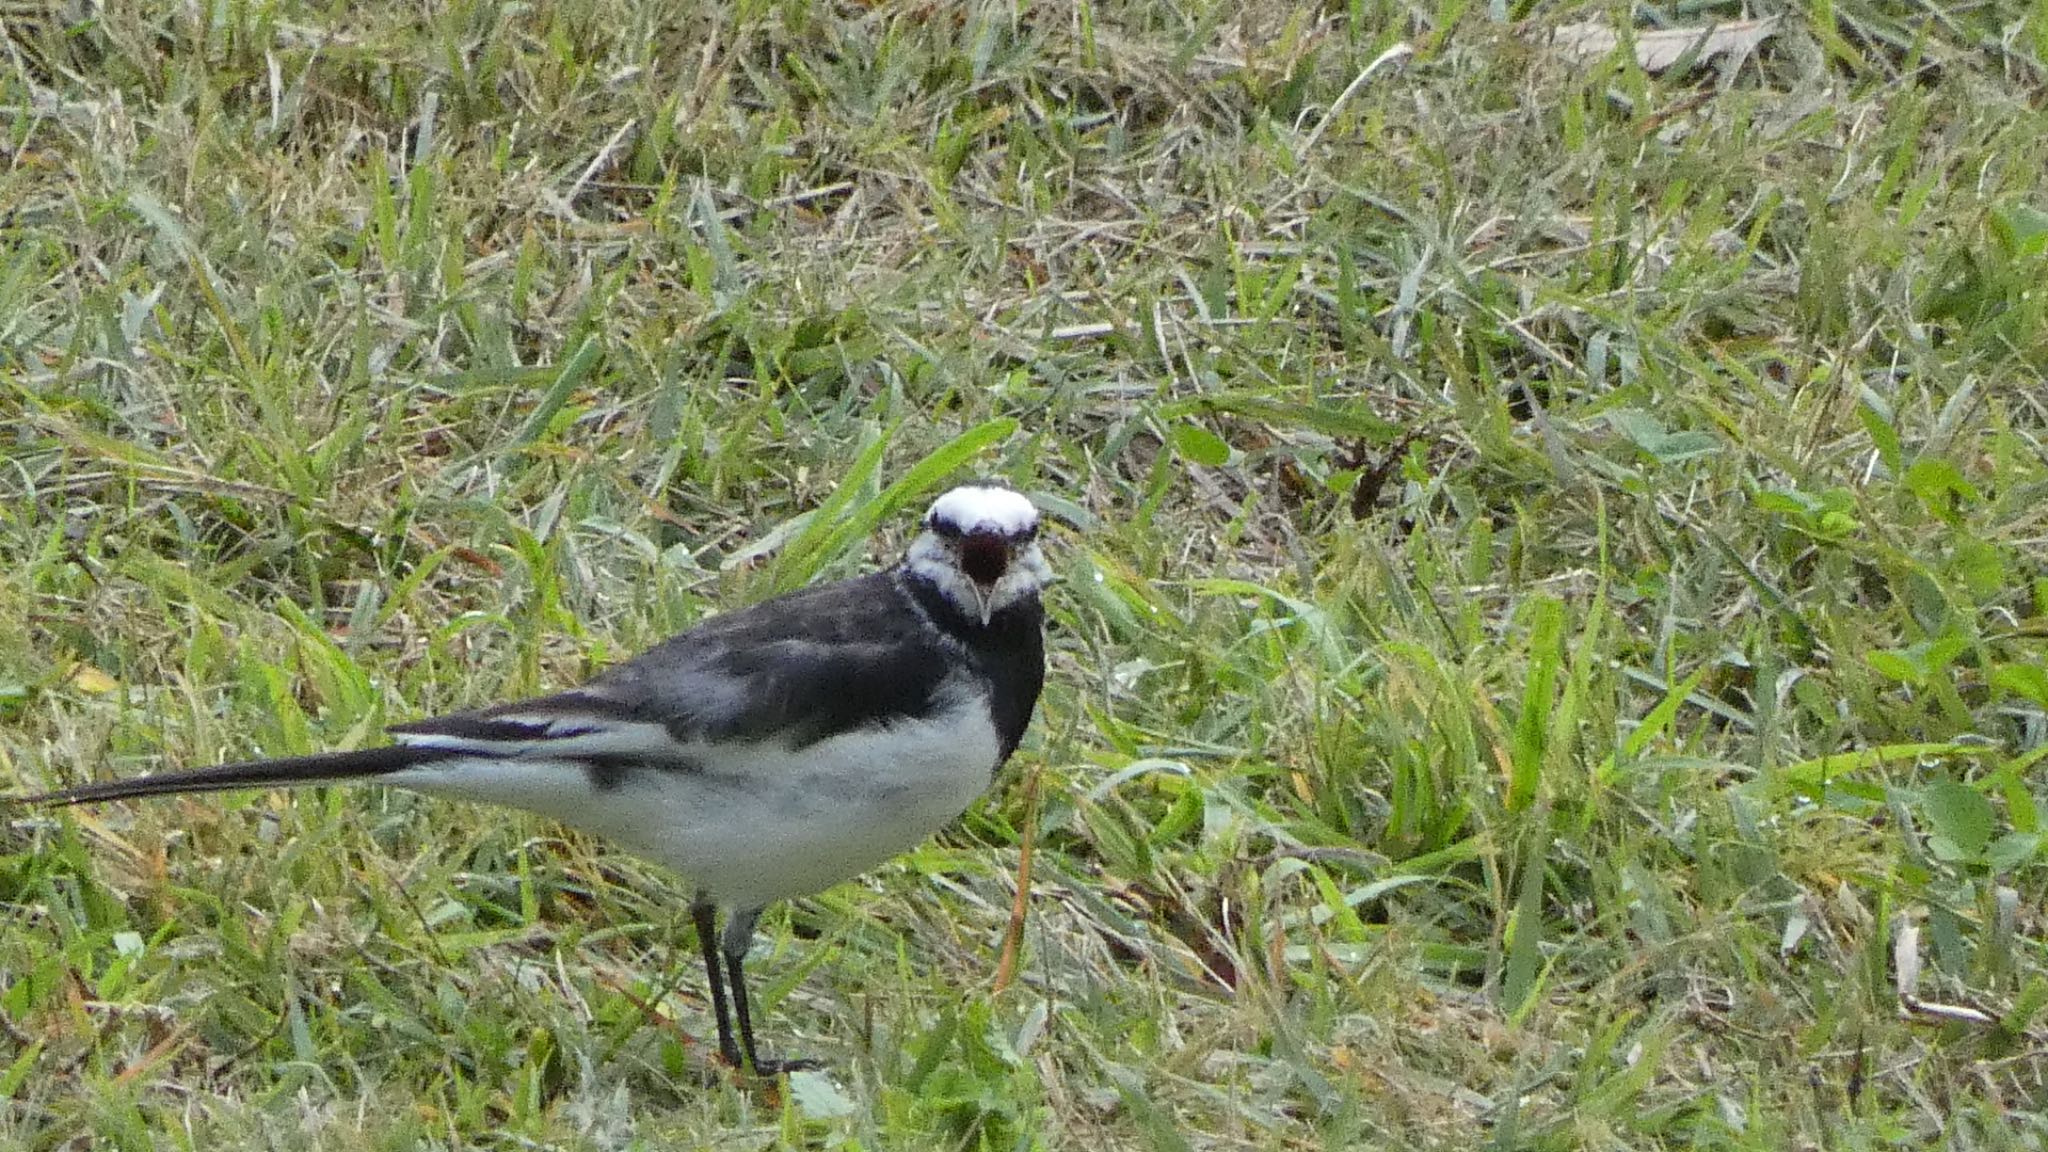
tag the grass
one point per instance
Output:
(1550, 652)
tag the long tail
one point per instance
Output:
(291, 772)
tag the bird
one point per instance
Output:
(763, 754)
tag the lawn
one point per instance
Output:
(1554, 556)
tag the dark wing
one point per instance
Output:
(799, 668)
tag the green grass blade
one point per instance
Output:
(828, 536)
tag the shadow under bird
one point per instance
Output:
(764, 754)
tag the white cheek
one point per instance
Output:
(1024, 579)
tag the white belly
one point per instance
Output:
(758, 822)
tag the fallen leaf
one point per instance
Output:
(1906, 961)
(1659, 48)
(87, 678)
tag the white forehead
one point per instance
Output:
(974, 506)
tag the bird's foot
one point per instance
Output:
(772, 1068)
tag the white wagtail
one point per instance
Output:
(764, 754)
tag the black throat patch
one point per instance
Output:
(984, 557)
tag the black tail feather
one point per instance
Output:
(290, 772)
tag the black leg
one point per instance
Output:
(704, 914)
(739, 934)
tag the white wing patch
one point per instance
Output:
(557, 735)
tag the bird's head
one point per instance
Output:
(980, 549)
